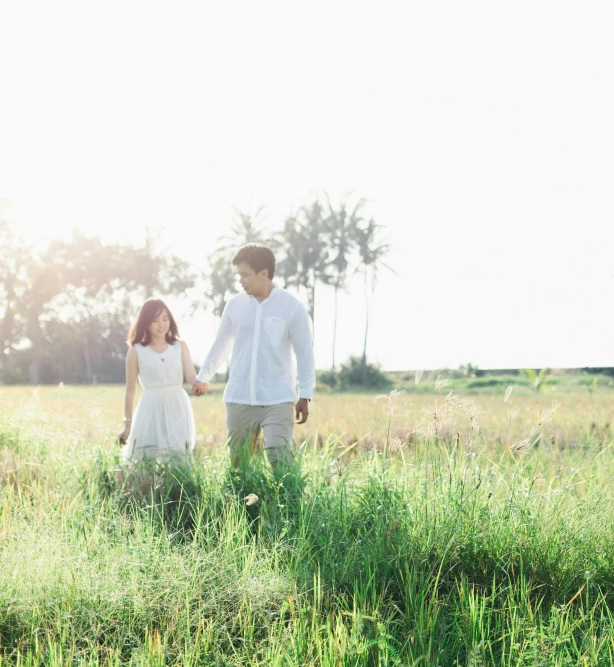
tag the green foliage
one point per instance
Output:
(487, 384)
(10, 437)
(67, 305)
(492, 381)
(537, 379)
(467, 370)
(63, 304)
(328, 378)
(591, 382)
(354, 373)
(436, 556)
(169, 492)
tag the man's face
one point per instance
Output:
(251, 282)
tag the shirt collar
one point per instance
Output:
(274, 292)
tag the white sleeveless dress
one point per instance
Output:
(163, 422)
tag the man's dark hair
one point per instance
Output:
(258, 256)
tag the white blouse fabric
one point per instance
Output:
(163, 422)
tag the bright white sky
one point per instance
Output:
(481, 133)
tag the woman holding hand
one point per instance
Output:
(162, 426)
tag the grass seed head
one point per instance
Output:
(471, 411)
(396, 444)
(519, 445)
(548, 414)
(440, 384)
(251, 499)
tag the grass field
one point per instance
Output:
(422, 529)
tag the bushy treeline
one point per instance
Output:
(65, 305)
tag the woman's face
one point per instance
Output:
(160, 326)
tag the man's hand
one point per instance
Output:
(302, 410)
(199, 388)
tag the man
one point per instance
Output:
(265, 324)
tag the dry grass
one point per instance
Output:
(17, 471)
(80, 416)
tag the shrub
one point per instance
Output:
(170, 492)
(354, 374)
(494, 381)
(328, 378)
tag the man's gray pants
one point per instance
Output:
(244, 423)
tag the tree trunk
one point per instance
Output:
(34, 370)
(88, 361)
(36, 336)
(363, 363)
(335, 327)
(6, 339)
(312, 307)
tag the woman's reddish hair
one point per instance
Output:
(139, 331)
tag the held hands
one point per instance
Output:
(199, 388)
(302, 410)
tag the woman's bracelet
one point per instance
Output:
(126, 420)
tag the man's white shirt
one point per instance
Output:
(263, 370)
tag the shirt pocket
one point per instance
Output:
(275, 329)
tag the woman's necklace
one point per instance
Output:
(161, 353)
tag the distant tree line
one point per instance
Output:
(65, 306)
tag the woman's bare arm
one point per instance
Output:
(132, 372)
(188, 366)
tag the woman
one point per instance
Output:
(163, 423)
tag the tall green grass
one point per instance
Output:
(438, 553)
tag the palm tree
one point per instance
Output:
(372, 250)
(220, 276)
(245, 228)
(341, 239)
(221, 280)
(305, 252)
(288, 241)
